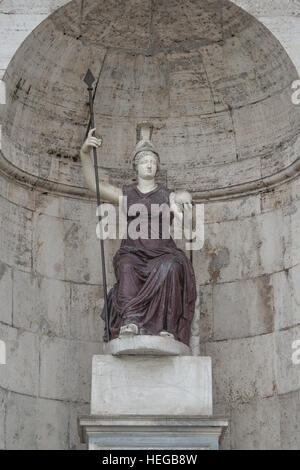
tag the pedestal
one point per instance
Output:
(157, 401)
(151, 432)
(145, 385)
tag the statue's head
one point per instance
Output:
(145, 159)
(146, 164)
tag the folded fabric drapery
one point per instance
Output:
(155, 286)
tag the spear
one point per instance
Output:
(89, 80)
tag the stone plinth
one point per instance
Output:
(151, 385)
(146, 345)
(151, 432)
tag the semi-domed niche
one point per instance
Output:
(213, 80)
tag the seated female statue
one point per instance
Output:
(155, 290)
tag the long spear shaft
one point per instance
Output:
(89, 80)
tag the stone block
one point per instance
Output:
(41, 305)
(290, 421)
(14, 29)
(291, 236)
(287, 373)
(2, 93)
(235, 209)
(81, 211)
(242, 368)
(65, 372)
(205, 295)
(215, 176)
(15, 250)
(5, 294)
(286, 297)
(3, 399)
(76, 410)
(256, 425)
(86, 307)
(21, 196)
(241, 249)
(234, 316)
(36, 424)
(21, 371)
(140, 386)
(253, 137)
(66, 250)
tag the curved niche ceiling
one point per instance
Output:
(214, 81)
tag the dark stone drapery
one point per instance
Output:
(155, 286)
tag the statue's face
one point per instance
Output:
(147, 166)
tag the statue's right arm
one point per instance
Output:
(109, 192)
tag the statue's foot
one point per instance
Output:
(166, 334)
(130, 329)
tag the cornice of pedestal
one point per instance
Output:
(33, 182)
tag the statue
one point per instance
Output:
(155, 292)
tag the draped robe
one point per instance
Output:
(155, 286)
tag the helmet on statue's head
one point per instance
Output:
(144, 144)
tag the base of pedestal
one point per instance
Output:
(151, 432)
(151, 402)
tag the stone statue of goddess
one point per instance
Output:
(155, 291)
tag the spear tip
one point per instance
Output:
(89, 78)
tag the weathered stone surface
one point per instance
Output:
(287, 373)
(15, 250)
(241, 249)
(65, 372)
(86, 307)
(66, 208)
(20, 196)
(202, 138)
(256, 425)
(235, 209)
(243, 308)
(26, 7)
(165, 62)
(291, 235)
(3, 399)
(75, 411)
(37, 424)
(21, 372)
(286, 295)
(5, 294)
(243, 368)
(41, 305)
(290, 421)
(205, 294)
(57, 242)
(159, 385)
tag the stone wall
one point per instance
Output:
(18, 18)
(51, 289)
(248, 274)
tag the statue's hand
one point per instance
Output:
(181, 204)
(91, 142)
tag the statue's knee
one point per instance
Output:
(126, 265)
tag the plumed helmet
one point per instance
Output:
(144, 144)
